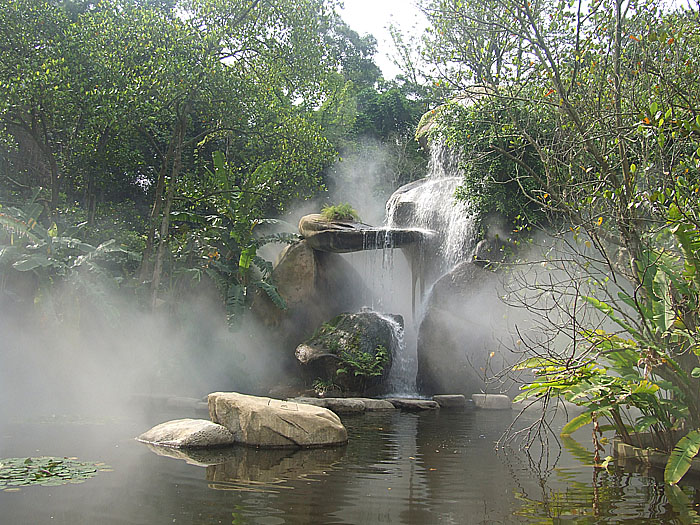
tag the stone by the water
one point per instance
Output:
(375, 405)
(188, 433)
(339, 405)
(272, 423)
(413, 404)
(492, 401)
(347, 405)
(450, 400)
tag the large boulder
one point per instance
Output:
(188, 433)
(349, 236)
(457, 334)
(314, 285)
(271, 423)
(352, 350)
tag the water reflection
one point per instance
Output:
(397, 468)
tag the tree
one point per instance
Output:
(604, 95)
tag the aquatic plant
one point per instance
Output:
(47, 471)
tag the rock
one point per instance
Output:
(353, 351)
(413, 405)
(185, 433)
(348, 236)
(347, 405)
(492, 401)
(339, 405)
(265, 422)
(316, 286)
(376, 405)
(456, 335)
(450, 401)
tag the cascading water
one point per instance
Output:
(402, 378)
(430, 204)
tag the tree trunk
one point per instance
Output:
(165, 221)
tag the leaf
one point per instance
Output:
(576, 423)
(683, 453)
(272, 293)
(610, 312)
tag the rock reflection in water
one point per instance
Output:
(234, 467)
(255, 467)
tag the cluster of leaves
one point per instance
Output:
(364, 365)
(47, 471)
(595, 121)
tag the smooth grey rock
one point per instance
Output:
(450, 400)
(413, 405)
(492, 401)
(272, 423)
(188, 433)
(339, 405)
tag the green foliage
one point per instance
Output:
(681, 456)
(339, 212)
(364, 365)
(324, 386)
(46, 471)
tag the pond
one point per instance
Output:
(418, 468)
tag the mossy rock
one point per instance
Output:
(352, 351)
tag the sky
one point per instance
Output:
(375, 17)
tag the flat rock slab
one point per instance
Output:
(413, 405)
(376, 405)
(347, 405)
(450, 401)
(272, 423)
(188, 433)
(339, 405)
(349, 236)
(492, 401)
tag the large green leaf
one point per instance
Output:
(683, 453)
(610, 312)
(576, 423)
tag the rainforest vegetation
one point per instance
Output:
(149, 143)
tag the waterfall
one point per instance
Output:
(430, 204)
(402, 376)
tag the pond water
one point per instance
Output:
(421, 468)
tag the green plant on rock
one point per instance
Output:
(324, 386)
(339, 212)
(364, 365)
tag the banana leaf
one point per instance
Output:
(683, 453)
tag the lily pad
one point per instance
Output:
(47, 471)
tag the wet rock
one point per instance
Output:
(456, 335)
(188, 433)
(376, 405)
(339, 405)
(492, 401)
(413, 405)
(349, 236)
(351, 350)
(266, 422)
(450, 400)
(348, 405)
(491, 251)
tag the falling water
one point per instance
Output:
(402, 376)
(431, 205)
